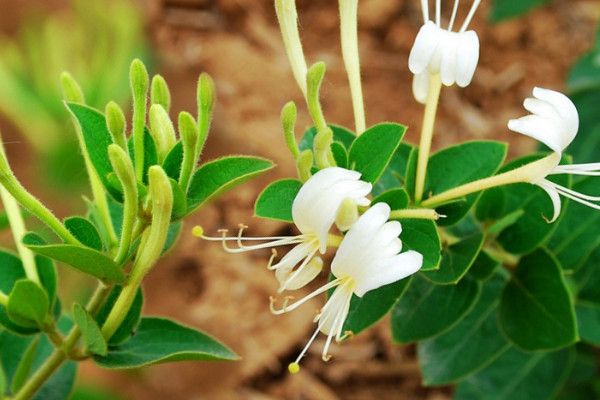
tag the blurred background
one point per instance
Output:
(237, 42)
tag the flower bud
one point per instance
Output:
(304, 164)
(162, 131)
(314, 78)
(288, 23)
(138, 79)
(159, 92)
(115, 121)
(206, 101)
(188, 131)
(322, 146)
(71, 90)
(288, 120)
(121, 163)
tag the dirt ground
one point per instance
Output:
(238, 43)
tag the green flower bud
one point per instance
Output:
(206, 102)
(288, 120)
(161, 129)
(138, 79)
(304, 163)
(71, 90)
(314, 77)
(115, 121)
(188, 131)
(159, 92)
(322, 146)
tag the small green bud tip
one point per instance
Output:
(71, 90)
(188, 130)
(316, 73)
(294, 368)
(159, 92)
(198, 231)
(138, 76)
(288, 116)
(206, 92)
(115, 121)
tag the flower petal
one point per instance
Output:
(565, 109)
(425, 44)
(467, 57)
(539, 128)
(449, 52)
(420, 86)
(554, 197)
(390, 270)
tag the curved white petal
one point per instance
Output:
(554, 197)
(542, 129)
(425, 44)
(565, 109)
(420, 86)
(292, 280)
(316, 205)
(449, 58)
(467, 57)
(391, 270)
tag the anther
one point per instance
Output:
(326, 357)
(273, 255)
(198, 231)
(293, 368)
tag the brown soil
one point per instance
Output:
(238, 43)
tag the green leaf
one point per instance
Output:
(275, 202)
(24, 367)
(372, 151)
(587, 146)
(588, 279)
(216, 177)
(517, 375)
(491, 204)
(150, 153)
(132, 318)
(172, 236)
(426, 310)
(160, 340)
(531, 229)
(536, 310)
(172, 163)
(457, 165)
(87, 391)
(28, 304)
(340, 155)
(581, 383)
(468, 347)
(483, 267)
(505, 9)
(83, 259)
(3, 383)
(179, 200)
(84, 231)
(367, 310)
(456, 260)
(576, 236)
(12, 349)
(12, 271)
(397, 199)
(92, 335)
(340, 134)
(422, 235)
(588, 322)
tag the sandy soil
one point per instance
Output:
(238, 43)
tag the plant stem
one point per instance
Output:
(17, 226)
(60, 355)
(349, 35)
(433, 96)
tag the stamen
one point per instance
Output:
(287, 308)
(590, 169)
(273, 255)
(438, 13)
(425, 9)
(579, 198)
(470, 15)
(562, 189)
(454, 10)
(294, 273)
(271, 241)
(295, 366)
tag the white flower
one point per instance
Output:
(554, 121)
(319, 203)
(452, 55)
(368, 258)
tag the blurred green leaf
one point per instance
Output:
(28, 304)
(536, 310)
(426, 310)
(92, 335)
(456, 260)
(160, 340)
(394, 175)
(25, 362)
(83, 259)
(216, 177)
(588, 279)
(84, 231)
(132, 318)
(275, 201)
(588, 322)
(372, 151)
(516, 375)
(484, 266)
(457, 165)
(468, 347)
(505, 9)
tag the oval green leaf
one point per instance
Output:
(456, 260)
(28, 304)
(84, 231)
(275, 202)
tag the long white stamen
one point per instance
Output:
(438, 13)
(298, 270)
(590, 169)
(470, 15)
(425, 9)
(273, 241)
(295, 305)
(454, 10)
(305, 349)
(576, 194)
(578, 197)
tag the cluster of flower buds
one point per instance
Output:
(367, 257)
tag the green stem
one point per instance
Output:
(17, 226)
(435, 86)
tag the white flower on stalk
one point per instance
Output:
(368, 258)
(554, 121)
(452, 55)
(327, 197)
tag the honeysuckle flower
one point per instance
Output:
(452, 55)
(554, 121)
(368, 257)
(331, 195)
